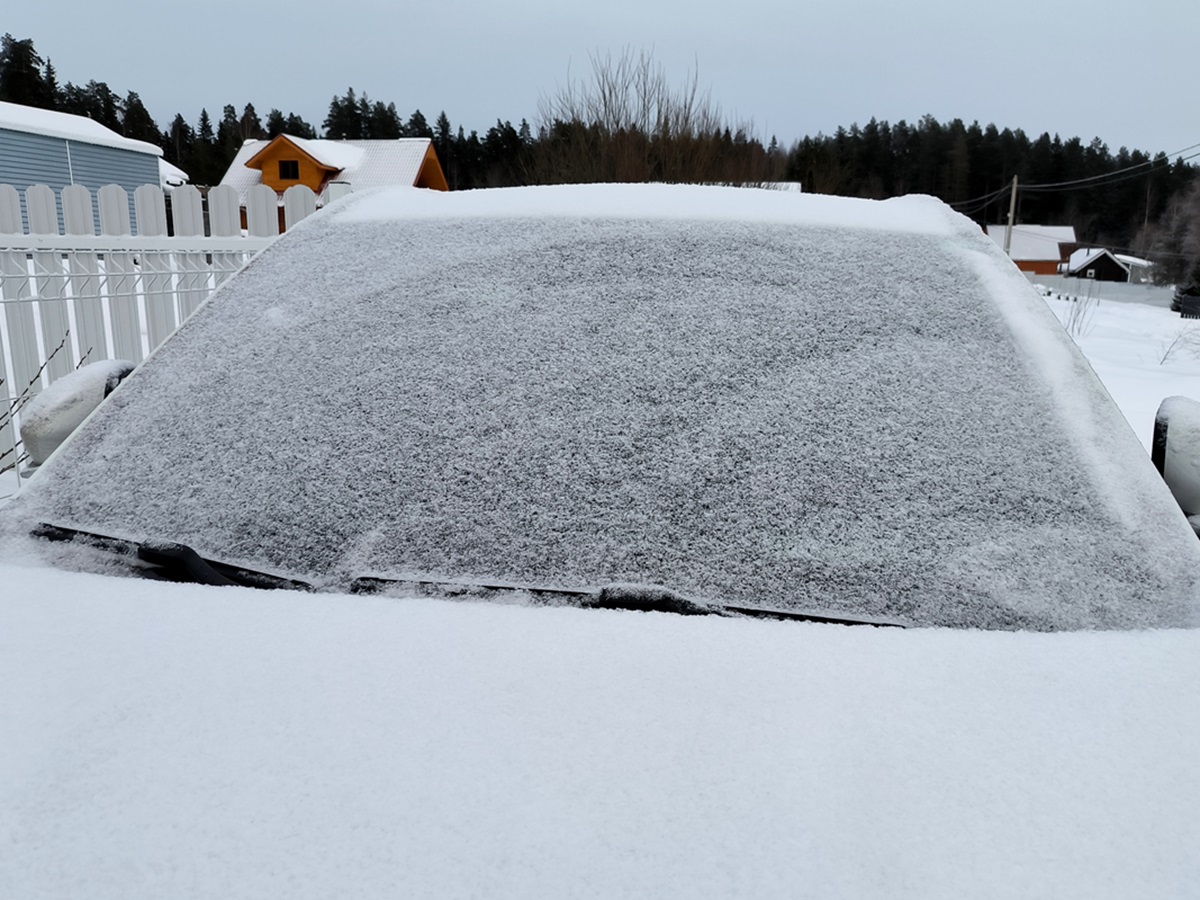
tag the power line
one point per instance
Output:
(1096, 180)
(983, 200)
(976, 204)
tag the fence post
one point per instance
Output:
(80, 218)
(299, 202)
(15, 285)
(49, 280)
(22, 349)
(120, 275)
(188, 208)
(225, 220)
(223, 216)
(262, 211)
(151, 212)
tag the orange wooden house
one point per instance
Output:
(285, 161)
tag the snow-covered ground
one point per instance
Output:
(1142, 353)
(192, 742)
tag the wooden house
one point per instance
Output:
(1038, 249)
(285, 161)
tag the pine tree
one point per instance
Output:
(298, 127)
(21, 78)
(204, 129)
(417, 126)
(345, 120)
(51, 81)
(276, 124)
(136, 122)
(249, 127)
(442, 134)
(229, 136)
(94, 100)
(383, 122)
(178, 143)
(443, 140)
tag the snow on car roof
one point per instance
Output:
(745, 396)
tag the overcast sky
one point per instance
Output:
(1126, 73)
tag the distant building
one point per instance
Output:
(41, 146)
(1039, 249)
(1104, 265)
(285, 161)
(1141, 271)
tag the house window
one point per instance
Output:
(289, 170)
(1091, 273)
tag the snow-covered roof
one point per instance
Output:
(1034, 242)
(29, 119)
(1086, 256)
(335, 154)
(747, 396)
(171, 176)
(1134, 262)
(364, 164)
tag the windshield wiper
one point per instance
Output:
(171, 561)
(629, 597)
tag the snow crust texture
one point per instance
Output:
(847, 416)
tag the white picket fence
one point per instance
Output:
(81, 297)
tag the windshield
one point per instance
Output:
(785, 413)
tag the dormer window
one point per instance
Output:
(289, 170)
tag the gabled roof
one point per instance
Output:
(31, 120)
(1087, 256)
(333, 156)
(1034, 242)
(364, 164)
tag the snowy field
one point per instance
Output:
(192, 742)
(1142, 353)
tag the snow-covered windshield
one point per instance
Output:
(748, 398)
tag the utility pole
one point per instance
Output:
(1012, 214)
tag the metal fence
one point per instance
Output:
(1105, 290)
(77, 297)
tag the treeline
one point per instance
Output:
(627, 123)
(1117, 199)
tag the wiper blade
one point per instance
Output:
(629, 597)
(172, 561)
(179, 562)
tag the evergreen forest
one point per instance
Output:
(627, 123)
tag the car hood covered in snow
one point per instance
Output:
(745, 396)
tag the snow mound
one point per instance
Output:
(61, 408)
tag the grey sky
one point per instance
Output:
(1119, 71)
